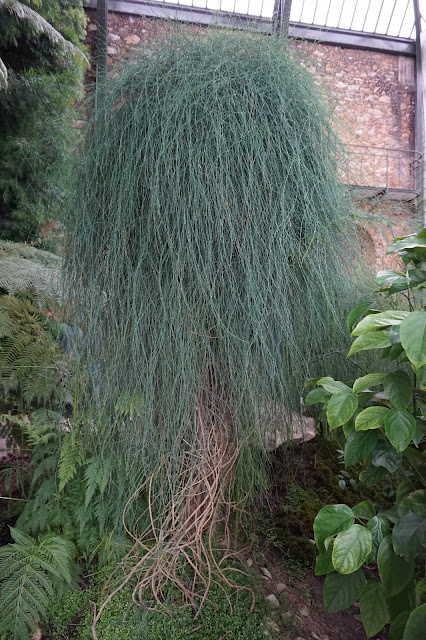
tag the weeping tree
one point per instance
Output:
(209, 257)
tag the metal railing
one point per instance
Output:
(394, 174)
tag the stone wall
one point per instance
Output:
(371, 96)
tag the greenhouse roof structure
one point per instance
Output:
(383, 25)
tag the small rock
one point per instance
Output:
(304, 611)
(92, 27)
(111, 51)
(133, 39)
(315, 636)
(273, 600)
(325, 638)
(266, 573)
(249, 562)
(287, 614)
(281, 586)
(114, 37)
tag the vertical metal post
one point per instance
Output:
(101, 41)
(281, 17)
(420, 108)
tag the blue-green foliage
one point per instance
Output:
(210, 247)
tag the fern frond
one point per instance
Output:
(97, 476)
(27, 271)
(71, 458)
(29, 355)
(28, 571)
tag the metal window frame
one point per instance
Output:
(297, 30)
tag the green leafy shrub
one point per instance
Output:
(381, 418)
(36, 114)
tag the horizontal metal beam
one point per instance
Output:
(353, 39)
(193, 15)
(298, 31)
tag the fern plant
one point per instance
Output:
(31, 359)
(31, 570)
(33, 365)
(26, 271)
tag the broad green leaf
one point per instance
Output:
(368, 341)
(333, 386)
(409, 535)
(413, 337)
(392, 514)
(372, 475)
(351, 548)
(408, 242)
(395, 351)
(323, 563)
(399, 389)
(357, 312)
(404, 488)
(370, 380)
(330, 520)
(416, 460)
(364, 510)
(400, 427)
(385, 279)
(397, 627)
(379, 529)
(420, 591)
(349, 426)
(385, 455)
(341, 591)
(419, 431)
(416, 624)
(379, 321)
(311, 382)
(405, 600)
(359, 445)
(372, 604)
(340, 408)
(421, 374)
(371, 418)
(394, 571)
(394, 283)
(315, 396)
(416, 277)
(415, 502)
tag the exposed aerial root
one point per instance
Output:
(179, 547)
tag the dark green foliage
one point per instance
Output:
(29, 368)
(395, 539)
(36, 115)
(31, 571)
(33, 364)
